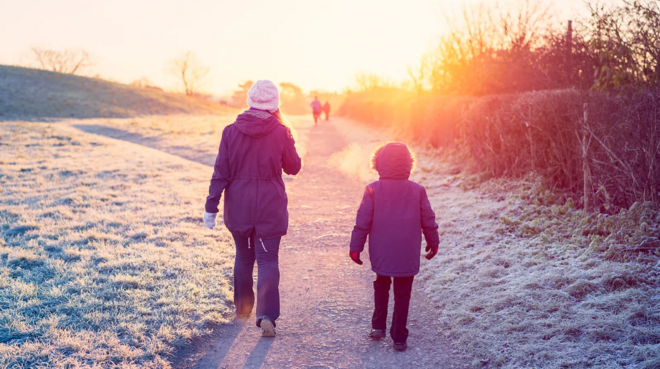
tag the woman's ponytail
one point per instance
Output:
(285, 122)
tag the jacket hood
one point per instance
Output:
(394, 161)
(256, 123)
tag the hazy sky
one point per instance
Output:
(317, 44)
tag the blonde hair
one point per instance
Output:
(285, 122)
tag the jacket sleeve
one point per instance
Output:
(291, 162)
(220, 178)
(365, 217)
(429, 226)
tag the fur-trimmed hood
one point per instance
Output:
(393, 160)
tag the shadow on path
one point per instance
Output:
(258, 355)
(115, 133)
(154, 142)
(233, 345)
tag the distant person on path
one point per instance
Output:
(394, 213)
(326, 110)
(316, 109)
(253, 152)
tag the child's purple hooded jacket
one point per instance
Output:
(253, 152)
(394, 212)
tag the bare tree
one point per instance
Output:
(240, 96)
(189, 70)
(624, 43)
(370, 81)
(488, 49)
(62, 61)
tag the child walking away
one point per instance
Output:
(394, 213)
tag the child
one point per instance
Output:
(394, 213)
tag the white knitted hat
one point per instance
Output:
(264, 95)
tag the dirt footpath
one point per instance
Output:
(327, 300)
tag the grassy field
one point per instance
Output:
(33, 94)
(103, 257)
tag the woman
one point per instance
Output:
(253, 152)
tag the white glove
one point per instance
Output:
(209, 219)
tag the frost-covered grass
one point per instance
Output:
(104, 260)
(525, 280)
(192, 137)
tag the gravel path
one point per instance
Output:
(327, 300)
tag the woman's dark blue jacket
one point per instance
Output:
(253, 152)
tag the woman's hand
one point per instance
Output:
(209, 219)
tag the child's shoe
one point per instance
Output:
(267, 327)
(377, 334)
(400, 346)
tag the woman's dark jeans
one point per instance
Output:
(265, 252)
(402, 291)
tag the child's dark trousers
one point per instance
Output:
(402, 290)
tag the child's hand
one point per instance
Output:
(355, 256)
(432, 251)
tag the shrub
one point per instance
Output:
(543, 132)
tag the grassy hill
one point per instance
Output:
(33, 94)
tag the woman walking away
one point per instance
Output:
(326, 110)
(394, 213)
(253, 152)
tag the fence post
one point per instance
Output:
(585, 160)
(569, 53)
(657, 64)
(532, 151)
